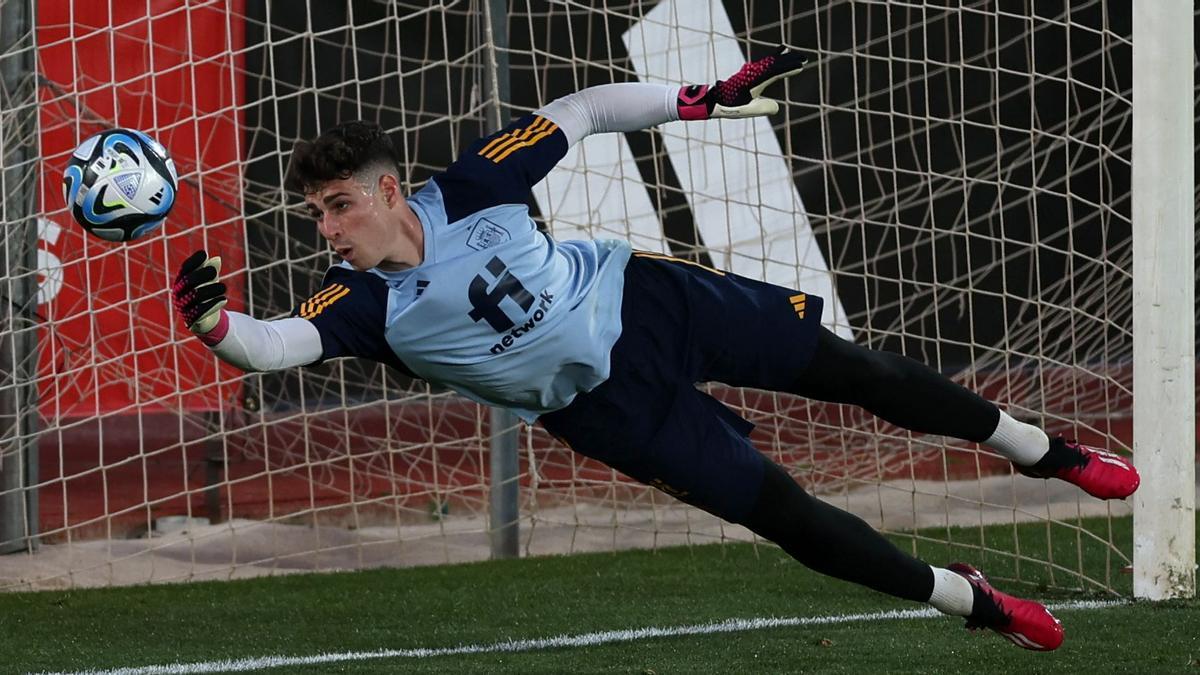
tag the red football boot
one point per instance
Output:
(1024, 622)
(1101, 474)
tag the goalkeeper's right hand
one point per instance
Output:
(199, 297)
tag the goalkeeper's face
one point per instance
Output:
(367, 222)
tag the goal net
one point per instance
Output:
(954, 181)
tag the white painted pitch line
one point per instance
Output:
(584, 640)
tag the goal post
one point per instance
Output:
(1164, 341)
(504, 435)
(18, 283)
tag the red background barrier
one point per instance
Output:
(173, 71)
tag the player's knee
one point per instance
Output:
(864, 375)
(783, 509)
(808, 529)
(883, 371)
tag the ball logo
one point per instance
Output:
(128, 184)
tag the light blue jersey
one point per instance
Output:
(503, 314)
(497, 310)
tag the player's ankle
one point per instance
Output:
(952, 594)
(1059, 457)
(1023, 444)
(985, 611)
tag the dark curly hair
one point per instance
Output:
(338, 154)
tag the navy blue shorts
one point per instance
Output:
(684, 323)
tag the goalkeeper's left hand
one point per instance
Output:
(199, 297)
(740, 95)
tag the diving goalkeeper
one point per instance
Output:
(603, 345)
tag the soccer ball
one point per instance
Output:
(120, 184)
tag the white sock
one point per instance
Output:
(952, 594)
(1022, 443)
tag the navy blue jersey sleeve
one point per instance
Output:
(350, 312)
(502, 167)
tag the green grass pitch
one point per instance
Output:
(359, 613)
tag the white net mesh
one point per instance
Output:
(953, 180)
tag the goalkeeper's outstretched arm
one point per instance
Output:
(634, 106)
(502, 167)
(236, 338)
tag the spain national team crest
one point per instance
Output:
(486, 234)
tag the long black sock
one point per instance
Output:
(832, 541)
(902, 391)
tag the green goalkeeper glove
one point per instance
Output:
(199, 297)
(741, 94)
